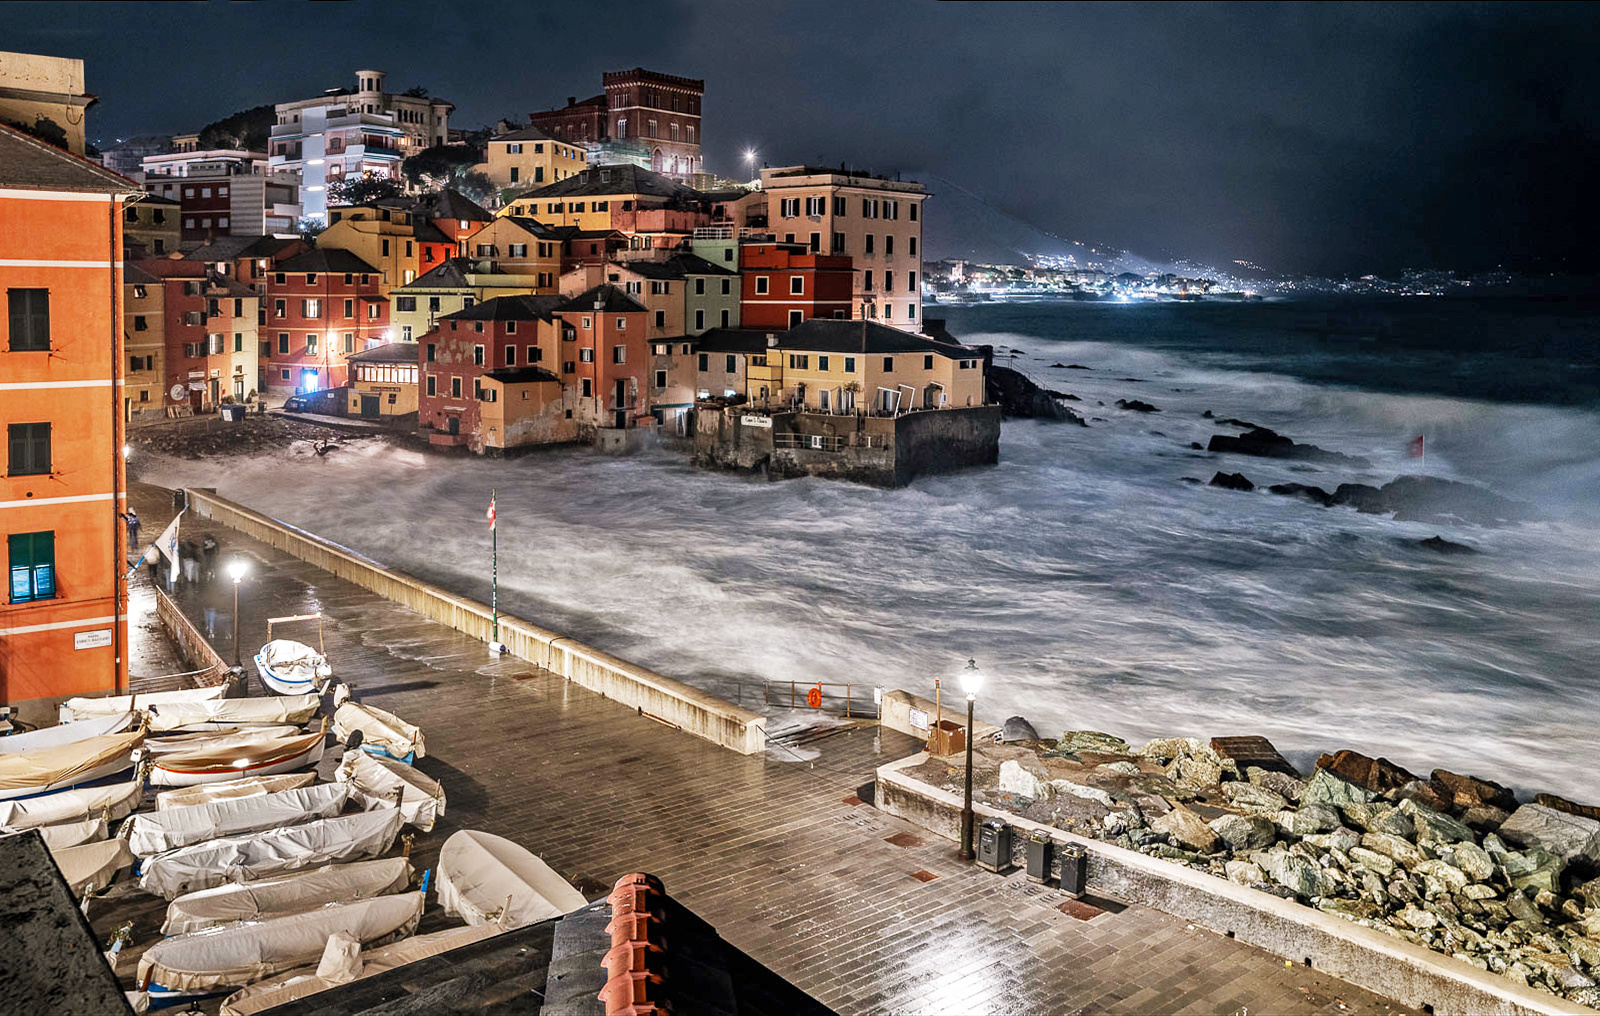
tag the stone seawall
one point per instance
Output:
(652, 694)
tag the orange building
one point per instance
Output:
(63, 618)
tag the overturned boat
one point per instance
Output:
(113, 802)
(382, 732)
(297, 984)
(216, 714)
(75, 709)
(484, 877)
(292, 668)
(286, 894)
(274, 852)
(90, 868)
(68, 733)
(223, 790)
(159, 832)
(231, 956)
(67, 765)
(379, 782)
(253, 758)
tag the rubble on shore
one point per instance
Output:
(1451, 862)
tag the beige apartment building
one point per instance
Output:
(145, 340)
(36, 91)
(875, 220)
(530, 158)
(454, 286)
(233, 337)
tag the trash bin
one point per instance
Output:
(1074, 868)
(233, 414)
(180, 499)
(947, 738)
(1036, 850)
(994, 845)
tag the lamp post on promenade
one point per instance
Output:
(971, 681)
(236, 569)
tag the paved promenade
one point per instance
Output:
(867, 913)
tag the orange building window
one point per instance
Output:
(33, 566)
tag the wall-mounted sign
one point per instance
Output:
(919, 719)
(751, 420)
(92, 639)
(178, 392)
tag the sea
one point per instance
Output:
(1093, 586)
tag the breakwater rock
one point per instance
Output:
(1448, 861)
(1432, 499)
(1269, 444)
(1019, 396)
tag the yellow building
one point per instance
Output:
(383, 381)
(389, 236)
(523, 406)
(145, 338)
(626, 198)
(150, 227)
(233, 335)
(518, 246)
(451, 287)
(529, 158)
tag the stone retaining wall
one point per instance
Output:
(660, 697)
(207, 667)
(1408, 973)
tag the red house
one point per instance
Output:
(604, 356)
(455, 354)
(320, 306)
(185, 324)
(785, 284)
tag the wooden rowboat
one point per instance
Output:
(257, 758)
(67, 765)
(484, 877)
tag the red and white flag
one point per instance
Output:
(1415, 449)
(490, 513)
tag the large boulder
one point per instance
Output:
(1017, 728)
(1188, 829)
(1326, 788)
(1371, 860)
(1401, 851)
(1271, 445)
(1231, 481)
(1029, 781)
(1083, 792)
(1253, 800)
(1315, 495)
(1244, 832)
(1442, 878)
(1472, 859)
(1295, 873)
(1202, 769)
(1569, 837)
(1308, 819)
(1165, 749)
(1435, 827)
(1570, 807)
(1431, 499)
(1425, 793)
(1134, 405)
(1378, 775)
(1244, 872)
(1078, 741)
(1288, 787)
(1534, 870)
(1018, 396)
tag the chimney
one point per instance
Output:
(572, 100)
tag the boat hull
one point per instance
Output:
(179, 771)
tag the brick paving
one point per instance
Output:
(775, 854)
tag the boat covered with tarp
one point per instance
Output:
(67, 765)
(379, 782)
(382, 732)
(236, 955)
(215, 714)
(82, 708)
(286, 894)
(292, 668)
(303, 982)
(113, 802)
(484, 877)
(161, 831)
(256, 855)
(68, 733)
(74, 834)
(254, 758)
(217, 740)
(249, 786)
(90, 867)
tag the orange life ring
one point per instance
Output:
(814, 697)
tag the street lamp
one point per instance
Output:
(971, 681)
(750, 158)
(236, 568)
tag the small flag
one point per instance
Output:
(1415, 448)
(167, 543)
(490, 513)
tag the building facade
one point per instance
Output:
(785, 284)
(63, 615)
(453, 286)
(225, 193)
(656, 114)
(37, 92)
(505, 333)
(530, 158)
(383, 381)
(321, 306)
(145, 338)
(150, 226)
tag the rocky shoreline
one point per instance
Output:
(1451, 862)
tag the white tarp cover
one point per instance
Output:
(215, 764)
(250, 786)
(258, 855)
(68, 764)
(117, 801)
(67, 733)
(379, 728)
(478, 871)
(286, 894)
(244, 953)
(374, 780)
(297, 984)
(92, 865)
(295, 709)
(218, 740)
(73, 834)
(292, 662)
(74, 709)
(158, 832)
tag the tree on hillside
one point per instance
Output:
(248, 130)
(476, 187)
(416, 92)
(360, 190)
(440, 166)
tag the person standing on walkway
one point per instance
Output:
(208, 557)
(152, 562)
(132, 518)
(189, 556)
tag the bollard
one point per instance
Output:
(1037, 851)
(1074, 869)
(994, 845)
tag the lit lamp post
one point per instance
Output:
(236, 569)
(971, 681)
(750, 160)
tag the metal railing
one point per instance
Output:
(852, 701)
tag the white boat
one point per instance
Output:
(286, 894)
(224, 790)
(261, 758)
(73, 834)
(68, 733)
(215, 714)
(67, 765)
(379, 782)
(159, 832)
(250, 856)
(91, 867)
(75, 709)
(303, 982)
(218, 740)
(484, 877)
(382, 732)
(291, 668)
(241, 954)
(114, 802)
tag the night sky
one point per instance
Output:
(1318, 138)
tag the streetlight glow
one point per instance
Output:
(971, 679)
(237, 568)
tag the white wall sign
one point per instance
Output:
(919, 719)
(751, 420)
(92, 639)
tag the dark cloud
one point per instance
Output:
(1305, 137)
